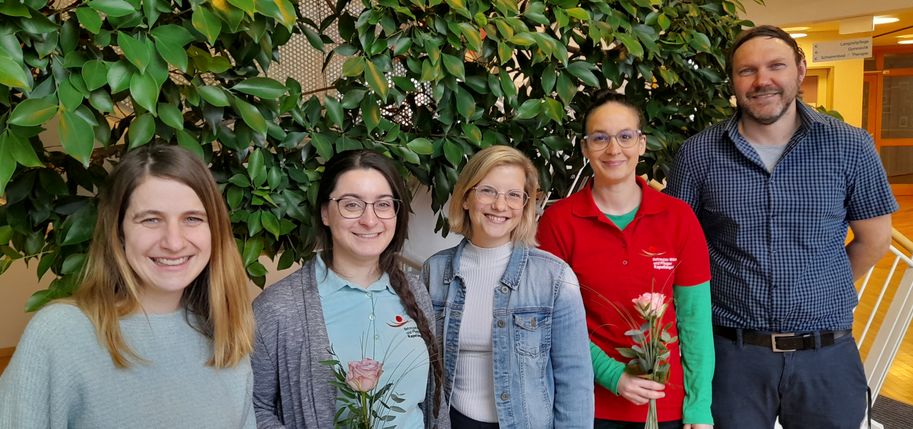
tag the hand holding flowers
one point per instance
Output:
(649, 356)
(364, 405)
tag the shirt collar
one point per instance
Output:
(585, 205)
(329, 283)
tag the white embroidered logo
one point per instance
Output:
(659, 263)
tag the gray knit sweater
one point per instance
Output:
(62, 377)
(291, 388)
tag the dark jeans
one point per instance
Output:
(459, 421)
(815, 388)
(612, 424)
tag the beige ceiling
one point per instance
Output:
(884, 34)
(823, 17)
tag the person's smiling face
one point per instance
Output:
(167, 240)
(766, 79)
(614, 164)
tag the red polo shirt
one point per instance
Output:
(663, 246)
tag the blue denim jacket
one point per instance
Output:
(542, 368)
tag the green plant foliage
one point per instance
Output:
(113, 75)
(449, 77)
(428, 82)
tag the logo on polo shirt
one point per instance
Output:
(398, 321)
(659, 262)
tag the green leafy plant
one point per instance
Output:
(444, 78)
(428, 82)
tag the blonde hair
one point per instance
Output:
(218, 297)
(475, 170)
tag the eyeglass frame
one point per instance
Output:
(396, 206)
(633, 143)
(475, 190)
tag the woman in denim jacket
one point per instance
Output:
(521, 359)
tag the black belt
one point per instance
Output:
(781, 342)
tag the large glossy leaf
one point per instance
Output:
(421, 146)
(323, 146)
(207, 23)
(370, 113)
(12, 8)
(248, 6)
(170, 41)
(453, 152)
(138, 51)
(76, 136)
(141, 130)
(119, 75)
(699, 41)
(454, 66)
(262, 87)
(567, 88)
(270, 223)
(334, 111)
(354, 66)
(584, 71)
(633, 46)
(473, 36)
(465, 103)
(144, 91)
(376, 80)
(256, 168)
(171, 115)
(79, 225)
(190, 143)
(94, 74)
(251, 116)
(89, 19)
(529, 109)
(20, 149)
(115, 8)
(33, 111)
(101, 101)
(214, 96)
(11, 73)
(7, 166)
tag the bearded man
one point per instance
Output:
(775, 188)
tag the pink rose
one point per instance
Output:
(363, 374)
(650, 303)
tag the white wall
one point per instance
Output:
(423, 241)
(17, 284)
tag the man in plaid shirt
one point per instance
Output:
(775, 188)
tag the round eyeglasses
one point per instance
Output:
(515, 198)
(354, 208)
(624, 138)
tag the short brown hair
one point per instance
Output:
(475, 170)
(768, 31)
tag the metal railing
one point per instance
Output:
(896, 293)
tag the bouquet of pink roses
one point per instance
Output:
(364, 404)
(650, 353)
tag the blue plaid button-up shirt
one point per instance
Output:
(777, 239)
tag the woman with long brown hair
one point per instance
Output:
(159, 331)
(353, 300)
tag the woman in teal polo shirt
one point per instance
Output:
(352, 299)
(623, 239)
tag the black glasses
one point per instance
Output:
(515, 198)
(354, 208)
(624, 138)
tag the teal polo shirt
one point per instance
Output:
(372, 322)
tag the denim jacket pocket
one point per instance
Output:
(531, 332)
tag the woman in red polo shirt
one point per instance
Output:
(622, 239)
